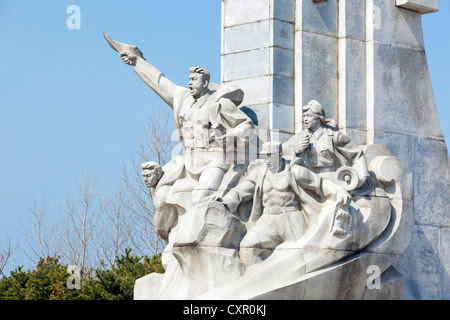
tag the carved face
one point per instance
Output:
(272, 159)
(197, 85)
(311, 121)
(151, 177)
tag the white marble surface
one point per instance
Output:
(258, 55)
(367, 65)
(422, 6)
(365, 62)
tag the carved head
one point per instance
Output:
(272, 153)
(151, 172)
(313, 115)
(198, 81)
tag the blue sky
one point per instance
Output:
(68, 104)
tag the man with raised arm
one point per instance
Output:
(208, 122)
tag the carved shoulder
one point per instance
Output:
(257, 168)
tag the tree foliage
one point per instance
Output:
(48, 281)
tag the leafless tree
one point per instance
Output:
(92, 225)
(156, 143)
(115, 233)
(77, 230)
(38, 236)
(6, 252)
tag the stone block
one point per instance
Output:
(357, 136)
(146, 287)
(282, 34)
(317, 17)
(259, 62)
(282, 118)
(257, 90)
(244, 11)
(401, 146)
(391, 287)
(247, 64)
(353, 91)
(319, 77)
(283, 62)
(354, 19)
(445, 262)
(397, 27)
(318, 287)
(406, 105)
(420, 265)
(209, 225)
(282, 90)
(283, 10)
(422, 6)
(246, 37)
(431, 182)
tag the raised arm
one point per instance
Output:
(162, 86)
(321, 186)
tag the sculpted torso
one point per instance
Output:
(277, 191)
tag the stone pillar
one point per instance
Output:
(316, 53)
(404, 118)
(258, 55)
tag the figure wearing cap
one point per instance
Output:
(285, 202)
(322, 148)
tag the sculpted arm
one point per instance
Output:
(162, 86)
(238, 195)
(296, 145)
(321, 186)
(307, 179)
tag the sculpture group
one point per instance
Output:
(244, 219)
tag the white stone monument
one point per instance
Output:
(352, 168)
(365, 62)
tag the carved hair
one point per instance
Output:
(204, 72)
(319, 113)
(151, 165)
